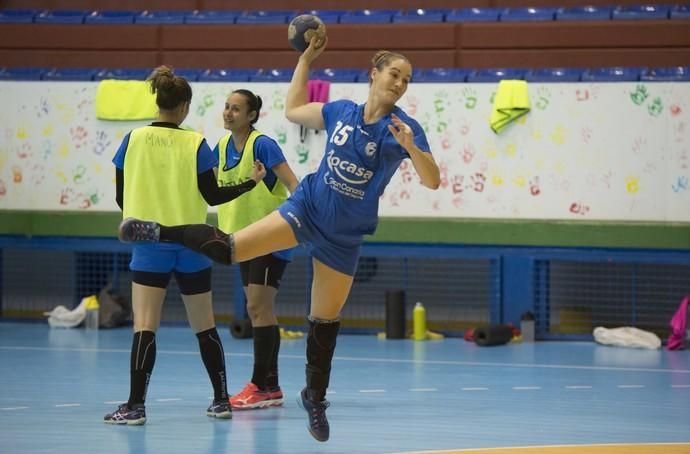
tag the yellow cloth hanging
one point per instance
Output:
(125, 100)
(510, 103)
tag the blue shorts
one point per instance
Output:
(166, 257)
(340, 252)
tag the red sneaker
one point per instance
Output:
(252, 397)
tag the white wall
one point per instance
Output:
(585, 151)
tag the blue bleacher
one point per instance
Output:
(622, 12)
(673, 74)
(212, 17)
(265, 17)
(553, 75)
(527, 15)
(123, 74)
(348, 75)
(61, 17)
(613, 74)
(327, 16)
(17, 16)
(225, 75)
(110, 17)
(161, 17)
(495, 75)
(640, 12)
(420, 16)
(22, 73)
(584, 13)
(335, 75)
(440, 75)
(272, 75)
(368, 16)
(192, 75)
(473, 15)
(681, 12)
(70, 74)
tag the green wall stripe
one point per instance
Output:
(407, 230)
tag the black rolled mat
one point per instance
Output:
(493, 335)
(241, 329)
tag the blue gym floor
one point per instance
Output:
(387, 396)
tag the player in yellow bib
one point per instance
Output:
(261, 276)
(166, 174)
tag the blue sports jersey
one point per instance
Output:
(342, 196)
(205, 160)
(266, 150)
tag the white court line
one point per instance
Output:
(680, 386)
(505, 365)
(372, 390)
(169, 399)
(578, 387)
(113, 402)
(525, 388)
(474, 389)
(630, 386)
(378, 360)
(13, 408)
(528, 448)
(423, 390)
(68, 405)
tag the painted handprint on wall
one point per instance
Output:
(412, 103)
(102, 142)
(579, 208)
(543, 98)
(478, 182)
(632, 184)
(639, 95)
(468, 98)
(680, 185)
(655, 107)
(79, 135)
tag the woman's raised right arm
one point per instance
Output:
(298, 109)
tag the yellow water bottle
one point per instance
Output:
(419, 322)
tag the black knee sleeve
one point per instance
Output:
(321, 342)
(272, 377)
(142, 360)
(263, 354)
(213, 243)
(213, 356)
(143, 355)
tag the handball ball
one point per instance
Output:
(302, 28)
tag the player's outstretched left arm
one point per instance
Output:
(423, 163)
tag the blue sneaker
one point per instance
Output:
(133, 230)
(316, 416)
(135, 416)
(220, 409)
